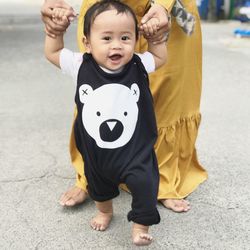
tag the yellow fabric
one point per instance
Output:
(176, 88)
(167, 4)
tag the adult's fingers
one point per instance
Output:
(150, 14)
(162, 40)
(46, 10)
(69, 10)
(63, 4)
(48, 33)
(160, 36)
(156, 11)
(54, 28)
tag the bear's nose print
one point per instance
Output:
(111, 125)
(110, 130)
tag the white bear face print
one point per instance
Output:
(110, 113)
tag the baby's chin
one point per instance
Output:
(112, 70)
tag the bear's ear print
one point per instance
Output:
(135, 91)
(84, 92)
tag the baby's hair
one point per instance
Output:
(102, 6)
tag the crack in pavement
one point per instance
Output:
(37, 178)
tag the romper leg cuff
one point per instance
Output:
(146, 218)
(102, 197)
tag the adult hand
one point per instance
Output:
(52, 28)
(159, 12)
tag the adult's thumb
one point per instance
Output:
(151, 13)
(46, 11)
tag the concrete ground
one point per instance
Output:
(36, 107)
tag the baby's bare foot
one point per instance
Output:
(140, 235)
(73, 197)
(101, 221)
(176, 205)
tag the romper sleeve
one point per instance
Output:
(70, 63)
(148, 61)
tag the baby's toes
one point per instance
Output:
(98, 227)
(93, 224)
(146, 237)
(102, 228)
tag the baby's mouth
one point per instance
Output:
(115, 57)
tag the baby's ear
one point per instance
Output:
(135, 91)
(86, 44)
(85, 91)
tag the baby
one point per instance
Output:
(115, 128)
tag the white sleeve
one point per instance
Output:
(70, 63)
(148, 61)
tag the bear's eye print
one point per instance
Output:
(98, 113)
(125, 113)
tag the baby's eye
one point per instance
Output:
(106, 38)
(125, 38)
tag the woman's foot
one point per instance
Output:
(140, 235)
(101, 221)
(176, 205)
(73, 197)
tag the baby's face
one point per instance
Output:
(112, 39)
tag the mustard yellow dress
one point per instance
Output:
(176, 88)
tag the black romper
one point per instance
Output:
(115, 132)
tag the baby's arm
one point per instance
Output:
(158, 50)
(53, 46)
(52, 49)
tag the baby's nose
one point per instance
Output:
(116, 44)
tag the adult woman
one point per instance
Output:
(176, 89)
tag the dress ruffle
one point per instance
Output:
(180, 171)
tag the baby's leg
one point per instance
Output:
(101, 221)
(144, 188)
(140, 235)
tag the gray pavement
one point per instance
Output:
(36, 107)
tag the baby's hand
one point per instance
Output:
(60, 16)
(150, 28)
